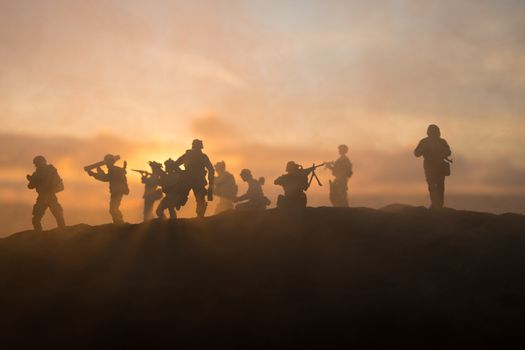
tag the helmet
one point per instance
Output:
(197, 144)
(343, 148)
(109, 159)
(169, 164)
(220, 165)
(292, 166)
(39, 161)
(246, 173)
(433, 131)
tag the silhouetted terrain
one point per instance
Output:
(351, 276)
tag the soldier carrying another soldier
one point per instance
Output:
(342, 171)
(118, 183)
(254, 197)
(47, 183)
(196, 164)
(224, 187)
(295, 183)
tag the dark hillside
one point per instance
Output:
(400, 276)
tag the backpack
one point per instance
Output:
(57, 185)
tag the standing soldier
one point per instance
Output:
(152, 192)
(196, 164)
(118, 184)
(47, 183)
(295, 183)
(342, 171)
(253, 198)
(224, 187)
(435, 152)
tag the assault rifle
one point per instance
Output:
(142, 172)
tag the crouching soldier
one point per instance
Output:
(295, 183)
(224, 187)
(253, 198)
(46, 181)
(118, 184)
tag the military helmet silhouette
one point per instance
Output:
(169, 164)
(220, 165)
(433, 131)
(343, 148)
(246, 173)
(197, 144)
(39, 161)
(292, 166)
(109, 159)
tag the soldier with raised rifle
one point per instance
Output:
(118, 183)
(295, 184)
(152, 192)
(342, 171)
(224, 187)
(196, 166)
(47, 183)
(254, 198)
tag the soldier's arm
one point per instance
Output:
(100, 175)
(418, 152)
(446, 149)
(278, 181)
(32, 180)
(180, 160)
(211, 170)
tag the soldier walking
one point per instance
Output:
(47, 183)
(173, 185)
(224, 187)
(196, 165)
(342, 171)
(254, 197)
(435, 152)
(118, 185)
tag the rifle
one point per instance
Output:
(311, 170)
(98, 164)
(142, 172)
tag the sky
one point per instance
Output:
(264, 82)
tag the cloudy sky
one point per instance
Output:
(263, 82)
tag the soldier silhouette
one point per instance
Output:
(47, 183)
(152, 192)
(254, 197)
(342, 171)
(173, 185)
(118, 184)
(196, 164)
(224, 187)
(435, 152)
(295, 183)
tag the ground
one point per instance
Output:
(388, 278)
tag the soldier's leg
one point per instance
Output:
(160, 208)
(173, 213)
(57, 211)
(114, 205)
(38, 212)
(148, 208)
(200, 197)
(440, 191)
